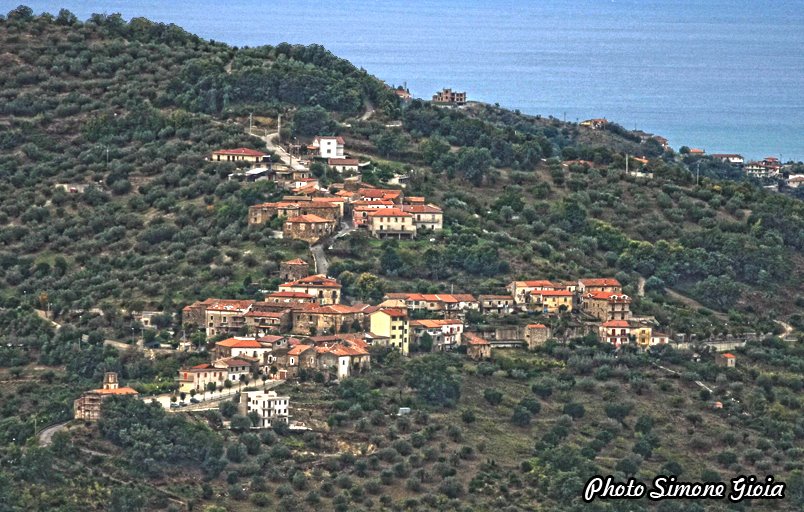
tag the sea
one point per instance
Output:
(726, 76)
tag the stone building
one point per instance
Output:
(477, 348)
(449, 96)
(536, 334)
(292, 270)
(310, 228)
(88, 407)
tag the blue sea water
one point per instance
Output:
(723, 75)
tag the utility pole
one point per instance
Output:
(107, 157)
(250, 121)
(279, 127)
(626, 163)
(697, 172)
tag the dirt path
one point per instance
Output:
(788, 329)
(687, 301)
(641, 287)
(46, 435)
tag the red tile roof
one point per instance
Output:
(239, 343)
(314, 281)
(297, 261)
(555, 293)
(389, 212)
(473, 339)
(393, 312)
(290, 295)
(727, 355)
(421, 208)
(229, 305)
(537, 326)
(298, 349)
(616, 323)
(431, 324)
(309, 219)
(239, 152)
(603, 281)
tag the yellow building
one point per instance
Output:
(642, 336)
(393, 324)
(391, 222)
(554, 301)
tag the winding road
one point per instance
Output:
(46, 434)
(317, 250)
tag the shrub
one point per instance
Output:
(521, 417)
(492, 396)
(531, 404)
(451, 487)
(574, 409)
(468, 416)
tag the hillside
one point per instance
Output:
(110, 205)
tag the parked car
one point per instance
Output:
(182, 404)
(174, 405)
(195, 401)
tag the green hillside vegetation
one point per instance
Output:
(126, 114)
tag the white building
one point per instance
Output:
(328, 147)
(271, 408)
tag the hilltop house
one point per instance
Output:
(392, 325)
(226, 316)
(595, 124)
(88, 406)
(325, 290)
(729, 158)
(450, 97)
(332, 318)
(327, 146)
(238, 155)
(768, 167)
(524, 292)
(728, 360)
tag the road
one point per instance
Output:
(317, 250)
(278, 150)
(43, 315)
(788, 329)
(46, 435)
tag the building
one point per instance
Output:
(536, 334)
(328, 319)
(449, 96)
(310, 228)
(324, 289)
(238, 155)
(241, 347)
(595, 124)
(88, 406)
(289, 298)
(659, 338)
(425, 216)
(768, 167)
(391, 222)
(196, 379)
(728, 360)
(264, 319)
(293, 269)
(605, 284)
(554, 301)
(498, 304)
(391, 324)
(607, 305)
(449, 305)
(729, 158)
(344, 164)
(270, 408)
(524, 292)
(615, 332)
(226, 317)
(697, 152)
(361, 210)
(445, 334)
(380, 194)
(327, 147)
(345, 358)
(642, 336)
(477, 348)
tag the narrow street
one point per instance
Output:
(318, 250)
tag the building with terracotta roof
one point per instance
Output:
(554, 301)
(226, 316)
(265, 212)
(344, 164)
(293, 269)
(536, 335)
(391, 222)
(615, 332)
(290, 298)
(238, 155)
(310, 228)
(477, 347)
(381, 194)
(391, 324)
(88, 406)
(728, 360)
(729, 158)
(603, 284)
(327, 146)
(263, 320)
(325, 290)
(524, 292)
(496, 304)
(607, 305)
(450, 305)
(328, 319)
(445, 334)
(425, 216)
